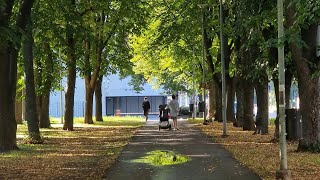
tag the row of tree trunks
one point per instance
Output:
(8, 73)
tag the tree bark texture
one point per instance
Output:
(214, 78)
(91, 79)
(240, 100)
(8, 125)
(309, 91)
(18, 111)
(230, 100)
(248, 93)
(288, 82)
(262, 117)
(71, 81)
(218, 115)
(31, 106)
(212, 100)
(98, 97)
(309, 86)
(44, 111)
(46, 83)
(239, 83)
(247, 58)
(88, 106)
(8, 74)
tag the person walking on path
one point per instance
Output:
(174, 110)
(146, 107)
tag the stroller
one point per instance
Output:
(164, 117)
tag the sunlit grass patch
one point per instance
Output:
(195, 121)
(162, 158)
(107, 121)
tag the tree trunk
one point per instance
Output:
(212, 103)
(44, 113)
(71, 81)
(240, 106)
(248, 93)
(98, 96)
(211, 70)
(31, 107)
(218, 98)
(273, 59)
(89, 87)
(38, 81)
(288, 82)
(47, 84)
(8, 74)
(309, 85)
(18, 110)
(19, 98)
(230, 102)
(262, 117)
(248, 56)
(88, 105)
(239, 83)
(309, 90)
(8, 125)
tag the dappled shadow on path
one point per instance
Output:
(208, 160)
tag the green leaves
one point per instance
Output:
(308, 12)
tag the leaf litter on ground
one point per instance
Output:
(260, 154)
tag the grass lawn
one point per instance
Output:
(84, 153)
(261, 155)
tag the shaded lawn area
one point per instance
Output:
(84, 153)
(261, 155)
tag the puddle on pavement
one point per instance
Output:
(162, 158)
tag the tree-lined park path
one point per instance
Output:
(199, 157)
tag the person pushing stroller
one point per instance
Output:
(173, 106)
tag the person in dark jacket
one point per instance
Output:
(146, 107)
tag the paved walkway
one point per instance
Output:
(208, 160)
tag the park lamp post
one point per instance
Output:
(283, 172)
(223, 75)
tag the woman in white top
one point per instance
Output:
(174, 111)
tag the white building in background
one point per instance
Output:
(112, 86)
